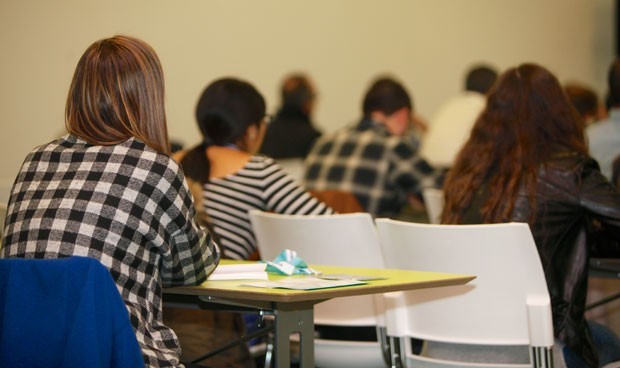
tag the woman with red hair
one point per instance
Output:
(527, 161)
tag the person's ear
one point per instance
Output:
(251, 133)
(253, 137)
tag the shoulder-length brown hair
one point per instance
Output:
(527, 119)
(117, 92)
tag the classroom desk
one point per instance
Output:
(294, 309)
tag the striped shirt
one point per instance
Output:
(125, 205)
(261, 184)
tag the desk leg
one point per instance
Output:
(290, 321)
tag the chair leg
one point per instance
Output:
(267, 319)
(605, 300)
(395, 351)
(269, 351)
(384, 343)
(542, 357)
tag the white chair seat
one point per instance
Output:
(347, 354)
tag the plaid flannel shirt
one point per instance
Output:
(380, 169)
(125, 205)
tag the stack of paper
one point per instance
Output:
(252, 271)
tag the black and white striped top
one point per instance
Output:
(261, 184)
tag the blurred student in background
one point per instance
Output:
(604, 136)
(377, 159)
(291, 133)
(586, 102)
(232, 178)
(228, 180)
(451, 125)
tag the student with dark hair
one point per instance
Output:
(292, 133)
(449, 128)
(480, 79)
(232, 179)
(585, 101)
(377, 159)
(527, 161)
(229, 180)
(604, 136)
(109, 190)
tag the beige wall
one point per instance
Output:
(341, 43)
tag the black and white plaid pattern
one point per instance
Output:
(261, 184)
(380, 169)
(125, 205)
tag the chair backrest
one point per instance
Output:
(508, 302)
(433, 202)
(341, 202)
(63, 313)
(341, 239)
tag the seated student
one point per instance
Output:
(451, 125)
(527, 161)
(292, 133)
(604, 137)
(586, 102)
(377, 159)
(229, 180)
(234, 180)
(109, 190)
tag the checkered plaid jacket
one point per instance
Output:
(380, 169)
(125, 205)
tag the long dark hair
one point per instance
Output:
(527, 119)
(225, 110)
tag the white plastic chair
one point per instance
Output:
(342, 240)
(506, 305)
(433, 202)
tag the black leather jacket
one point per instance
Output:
(576, 215)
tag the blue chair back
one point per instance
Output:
(63, 313)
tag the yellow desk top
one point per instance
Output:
(394, 280)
